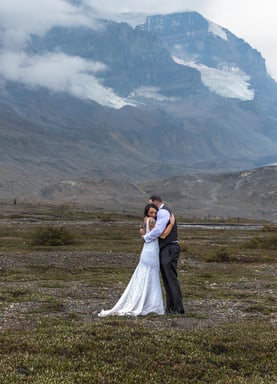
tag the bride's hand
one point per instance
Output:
(142, 231)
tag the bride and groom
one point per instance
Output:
(160, 253)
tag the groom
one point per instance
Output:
(169, 255)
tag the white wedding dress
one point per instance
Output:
(143, 294)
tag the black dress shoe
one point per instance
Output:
(170, 312)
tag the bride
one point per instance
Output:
(143, 294)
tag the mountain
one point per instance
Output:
(174, 96)
(229, 66)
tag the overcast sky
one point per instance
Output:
(252, 20)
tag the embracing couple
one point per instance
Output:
(160, 253)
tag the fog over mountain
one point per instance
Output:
(102, 100)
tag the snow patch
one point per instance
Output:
(246, 173)
(103, 95)
(227, 81)
(217, 31)
(150, 93)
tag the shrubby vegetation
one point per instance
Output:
(219, 255)
(269, 242)
(52, 236)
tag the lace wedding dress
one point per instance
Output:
(143, 294)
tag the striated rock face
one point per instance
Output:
(131, 57)
(192, 37)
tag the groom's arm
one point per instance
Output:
(162, 220)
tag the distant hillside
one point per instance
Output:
(248, 194)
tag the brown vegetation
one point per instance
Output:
(50, 295)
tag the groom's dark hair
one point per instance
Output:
(156, 198)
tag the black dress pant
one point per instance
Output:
(169, 256)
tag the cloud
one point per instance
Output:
(57, 72)
(60, 73)
(19, 19)
(147, 6)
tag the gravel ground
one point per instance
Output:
(82, 298)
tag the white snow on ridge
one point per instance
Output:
(106, 96)
(217, 30)
(228, 82)
(150, 93)
(103, 95)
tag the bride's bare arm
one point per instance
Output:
(151, 223)
(142, 229)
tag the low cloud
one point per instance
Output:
(60, 73)
(57, 72)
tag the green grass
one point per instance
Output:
(126, 351)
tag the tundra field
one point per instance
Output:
(60, 265)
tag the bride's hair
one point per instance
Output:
(148, 206)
